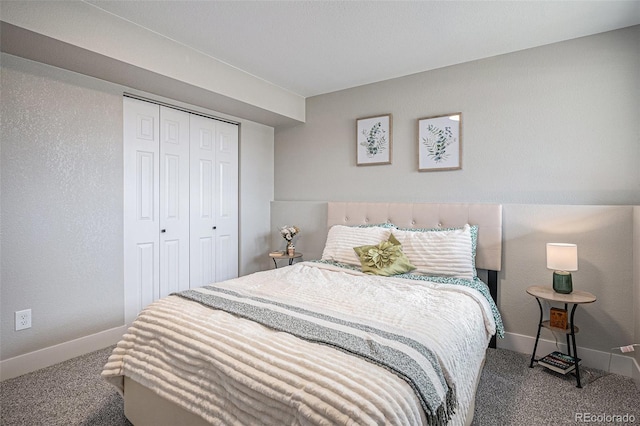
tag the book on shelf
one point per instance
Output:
(559, 362)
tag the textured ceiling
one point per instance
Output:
(316, 47)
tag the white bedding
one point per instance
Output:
(230, 370)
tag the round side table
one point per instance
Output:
(278, 255)
(575, 298)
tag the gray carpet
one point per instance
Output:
(509, 393)
(69, 393)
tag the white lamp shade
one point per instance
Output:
(562, 257)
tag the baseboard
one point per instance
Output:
(620, 364)
(32, 361)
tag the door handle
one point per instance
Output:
(215, 227)
(163, 230)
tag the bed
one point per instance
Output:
(321, 342)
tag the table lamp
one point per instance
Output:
(562, 259)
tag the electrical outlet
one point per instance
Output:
(23, 319)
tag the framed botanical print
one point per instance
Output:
(440, 143)
(374, 140)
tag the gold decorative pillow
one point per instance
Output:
(384, 259)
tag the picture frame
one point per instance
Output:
(374, 140)
(440, 142)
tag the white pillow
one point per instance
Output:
(445, 253)
(342, 239)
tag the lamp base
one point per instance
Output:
(562, 282)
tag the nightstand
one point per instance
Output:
(277, 255)
(575, 298)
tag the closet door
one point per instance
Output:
(180, 202)
(174, 201)
(226, 206)
(141, 205)
(203, 227)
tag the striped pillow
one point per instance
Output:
(342, 239)
(445, 253)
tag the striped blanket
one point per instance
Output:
(407, 358)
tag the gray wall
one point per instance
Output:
(551, 125)
(636, 282)
(61, 205)
(256, 194)
(61, 186)
(552, 133)
(603, 235)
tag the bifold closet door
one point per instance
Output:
(141, 205)
(226, 201)
(214, 201)
(174, 201)
(156, 203)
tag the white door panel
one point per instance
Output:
(147, 276)
(227, 201)
(202, 225)
(205, 259)
(174, 201)
(141, 205)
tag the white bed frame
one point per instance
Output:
(143, 407)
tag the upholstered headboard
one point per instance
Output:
(488, 217)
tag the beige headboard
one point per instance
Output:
(488, 217)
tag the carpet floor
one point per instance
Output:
(509, 393)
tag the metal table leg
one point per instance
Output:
(573, 341)
(535, 346)
(568, 335)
